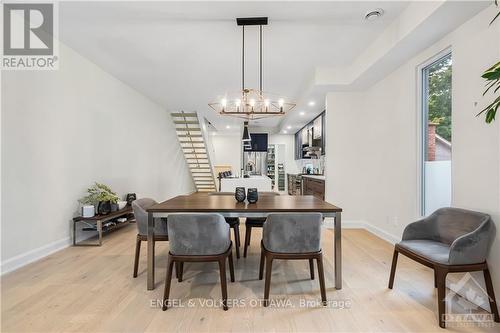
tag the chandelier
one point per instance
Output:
(251, 103)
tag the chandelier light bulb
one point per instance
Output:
(223, 102)
(252, 102)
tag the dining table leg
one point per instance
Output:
(151, 252)
(338, 251)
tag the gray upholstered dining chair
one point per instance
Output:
(449, 240)
(139, 207)
(233, 222)
(254, 222)
(198, 238)
(295, 236)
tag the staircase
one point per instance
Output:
(192, 141)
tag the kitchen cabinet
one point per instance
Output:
(317, 128)
(313, 186)
(310, 136)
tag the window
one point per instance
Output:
(436, 134)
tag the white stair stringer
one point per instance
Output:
(192, 140)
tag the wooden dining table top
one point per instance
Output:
(204, 202)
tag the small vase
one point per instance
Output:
(130, 197)
(114, 207)
(104, 207)
(239, 194)
(252, 195)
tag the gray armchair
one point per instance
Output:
(198, 238)
(449, 240)
(254, 222)
(140, 207)
(292, 236)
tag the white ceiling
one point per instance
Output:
(185, 54)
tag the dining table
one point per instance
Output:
(227, 206)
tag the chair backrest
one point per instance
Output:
(198, 234)
(141, 215)
(450, 223)
(293, 233)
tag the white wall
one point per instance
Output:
(61, 131)
(227, 151)
(372, 148)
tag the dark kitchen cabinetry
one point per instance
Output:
(310, 140)
(313, 186)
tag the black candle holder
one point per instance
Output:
(252, 195)
(239, 194)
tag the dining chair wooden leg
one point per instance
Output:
(181, 271)
(261, 265)
(231, 266)
(393, 268)
(267, 284)
(321, 277)
(248, 232)
(177, 269)
(311, 268)
(491, 294)
(441, 286)
(237, 240)
(168, 280)
(223, 282)
(137, 254)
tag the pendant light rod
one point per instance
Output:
(243, 61)
(260, 61)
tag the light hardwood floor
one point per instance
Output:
(91, 289)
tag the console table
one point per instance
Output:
(97, 221)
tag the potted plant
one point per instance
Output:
(492, 78)
(101, 196)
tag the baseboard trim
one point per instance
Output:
(26, 258)
(360, 224)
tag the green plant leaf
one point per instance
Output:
(496, 16)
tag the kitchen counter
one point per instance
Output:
(261, 183)
(321, 177)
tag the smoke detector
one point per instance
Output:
(372, 15)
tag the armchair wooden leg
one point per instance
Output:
(491, 294)
(237, 240)
(435, 279)
(393, 268)
(261, 266)
(168, 280)
(321, 277)
(441, 286)
(267, 284)
(137, 254)
(311, 268)
(231, 266)
(248, 232)
(223, 281)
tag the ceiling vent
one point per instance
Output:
(372, 15)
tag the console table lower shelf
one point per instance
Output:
(99, 223)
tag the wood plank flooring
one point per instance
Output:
(91, 289)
